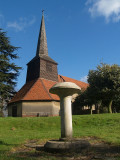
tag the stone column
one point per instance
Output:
(65, 90)
(66, 117)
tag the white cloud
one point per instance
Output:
(110, 9)
(17, 26)
(21, 24)
(84, 79)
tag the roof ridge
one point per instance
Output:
(62, 78)
(73, 79)
(46, 89)
(49, 80)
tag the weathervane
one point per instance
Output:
(42, 11)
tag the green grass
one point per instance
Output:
(16, 131)
(104, 126)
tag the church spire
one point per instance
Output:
(42, 40)
(42, 66)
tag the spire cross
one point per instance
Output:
(42, 11)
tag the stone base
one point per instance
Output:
(73, 145)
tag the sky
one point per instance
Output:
(81, 34)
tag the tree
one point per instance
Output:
(79, 103)
(106, 83)
(87, 98)
(8, 69)
(116, 104)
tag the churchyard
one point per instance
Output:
(18, 136)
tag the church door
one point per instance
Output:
(14, 111)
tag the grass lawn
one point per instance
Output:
(15, 132)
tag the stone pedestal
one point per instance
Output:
(65, 90)
(73, 145)
(66, 117)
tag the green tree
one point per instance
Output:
(116, 104)
(87, 98)
(79, 103)
(8, 69)
(105, 81)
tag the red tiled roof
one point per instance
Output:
(22, 92)
(35, 90)
(81, 84)
(38, 90)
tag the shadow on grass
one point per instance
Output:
(105, 148)
(99, 150)
(96, 151)
(6, 144)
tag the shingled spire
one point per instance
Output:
(42, 66)
(42, 40)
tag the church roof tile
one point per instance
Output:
(38, 90)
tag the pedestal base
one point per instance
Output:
(73, 145)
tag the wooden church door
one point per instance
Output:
(14, 111)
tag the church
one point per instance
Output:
(34, 99)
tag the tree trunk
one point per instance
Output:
(98, 111)
(110, 107)
(1, 108)
(97, 107)
(91, 110)
(1, 113)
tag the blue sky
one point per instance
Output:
(80, 33)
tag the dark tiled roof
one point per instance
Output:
(47, 58)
